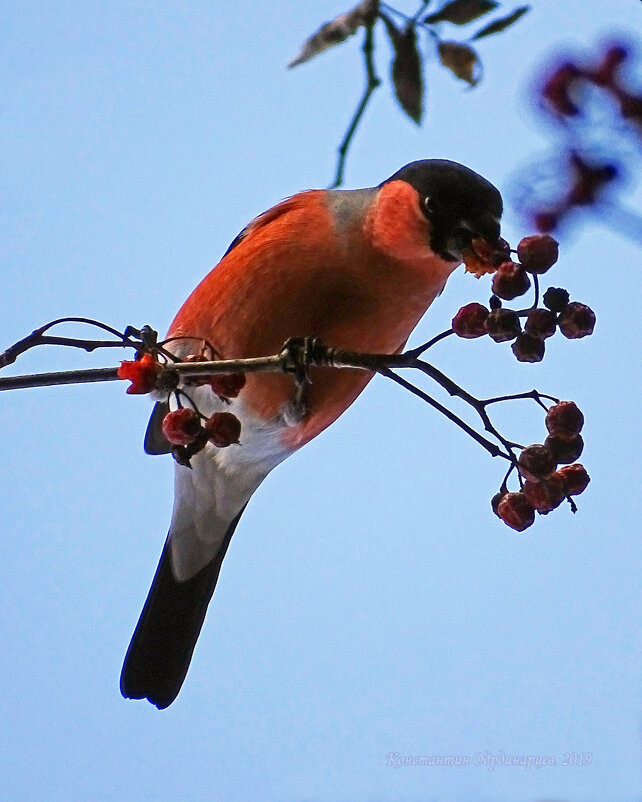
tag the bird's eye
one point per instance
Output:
(429, 206)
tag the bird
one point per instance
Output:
(355, 268)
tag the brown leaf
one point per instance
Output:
(461, 12)
(501, 24)
(337, 31)
(406, 69)
(461, 60)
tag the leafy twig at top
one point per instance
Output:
(407, 66)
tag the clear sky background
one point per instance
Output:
(370, 602)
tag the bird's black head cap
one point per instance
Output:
(459, 203)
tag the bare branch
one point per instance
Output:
(372, 82)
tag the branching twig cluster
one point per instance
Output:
(407, 67)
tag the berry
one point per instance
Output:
(546, 494)
(528, 349)
(576, 320)
(556, 299)
(574, 478)
(143, 374)
(564, 419)
(494, 303)
(536, 461)
(494, 502)
(538, 253)
(469, 321)
(182, 426)
(195, 381)
(540, 323)
(227, 385)
(516, 511)
(563, 448)
(503, 325)
(223, 429)
(510, 281)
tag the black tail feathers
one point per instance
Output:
(163, 643)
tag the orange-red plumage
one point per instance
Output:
(297, 273)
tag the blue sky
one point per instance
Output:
(370, 603)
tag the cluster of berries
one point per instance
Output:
(189, 432)
(564, 96)
(511, 279)
(186, 429)
(545, 485)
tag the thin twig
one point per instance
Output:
(492, 449)
(59, 377)
(420, 10)
(372, 82)
(418, 351)
(535, 395)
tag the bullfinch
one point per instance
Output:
(356, 269)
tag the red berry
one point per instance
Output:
(576, 320)
(195, 381)
(494, 502)
(469, 321)
(545, 495)
(503, 325)
(540, 323)
(143, 374)
(538, 252)
(510, 281)
(516, 511)
(564, 449)
(574, 478)
(182, 426)
(564, 418)
(556, 299)
(528, 349)
(227, 385)
(536, 461)
(223, 429)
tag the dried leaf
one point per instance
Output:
(501, 24)
(461, 12)
(337, 31)
(461, 60)
(406, 69)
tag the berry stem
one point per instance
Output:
(425, 346)
(534, 394)
(492, 449)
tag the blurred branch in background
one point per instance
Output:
(595, 117)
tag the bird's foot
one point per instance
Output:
(297, 356)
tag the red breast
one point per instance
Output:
(357, 272)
